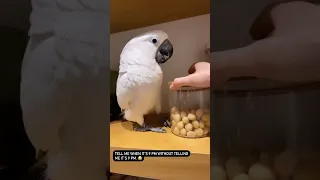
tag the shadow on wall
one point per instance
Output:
(16, 152)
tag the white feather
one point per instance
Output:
(140, 77)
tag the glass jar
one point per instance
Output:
(190, 112)
(266, 130)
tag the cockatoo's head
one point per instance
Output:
(154, 42)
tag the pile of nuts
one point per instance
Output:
(280, 167)
(190, 123)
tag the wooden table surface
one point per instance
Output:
(196, 166)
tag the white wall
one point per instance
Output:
(190, 37)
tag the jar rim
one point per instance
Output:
(189, 88)
(258, 86)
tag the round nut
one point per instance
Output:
(188, 127)
(206, 117)
(172, 116)
(173, 123)
(242, 176)
(176, 131)
(199, 132)
(205, 131)
(199, 113)
(207, 123)
(218, 173)
(174, 110)
(192, 117)
(260, 171)
(183, 114)
(183, 132)
(201, 124)
(177, 118)
(185, 120)
(191, 134)
(234, 167)
(180, 125)
(172, 128)
(195, 124)
(285, 164)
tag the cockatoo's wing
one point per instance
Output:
(127, 86)
(133, 76)
(44, 101)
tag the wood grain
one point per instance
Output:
(196, 166)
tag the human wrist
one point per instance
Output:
(207, 78)
(234, 63)
(200, 65)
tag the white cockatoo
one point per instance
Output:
(64, 89)
(140, 76)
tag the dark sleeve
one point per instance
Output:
(263, 25)
(192, 69)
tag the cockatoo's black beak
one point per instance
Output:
(164, 52)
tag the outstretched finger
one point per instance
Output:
(183, 81)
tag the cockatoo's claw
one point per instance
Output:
(146, 128)
(140, 129)
(158, 130)
(143, 128)
(167, 123)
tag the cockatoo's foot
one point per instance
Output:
(158, 130)
(145, 128)
(38, 171)
(44, 175)
(167, 123)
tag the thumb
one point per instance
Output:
(182, 81)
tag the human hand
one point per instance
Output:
(286, 59)
(282, 52)
(199, 76)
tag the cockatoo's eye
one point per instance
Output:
(153, 40)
